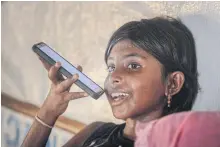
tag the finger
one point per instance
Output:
(53, 72)
(66, 84)
(75, 95)
(60, 77)
(45, 64)
(79, 68)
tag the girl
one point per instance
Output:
(152, 68)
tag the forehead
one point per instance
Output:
(126, 47)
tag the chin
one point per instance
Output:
(120, 115)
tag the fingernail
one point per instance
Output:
(75, 76)
(57, 64)
(85, 94)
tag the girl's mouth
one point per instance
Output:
(117, 98)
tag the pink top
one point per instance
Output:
(186, 129)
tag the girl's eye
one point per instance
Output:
(110, 69)
(134, 66)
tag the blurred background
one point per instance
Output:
(80, 31)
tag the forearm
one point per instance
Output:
(37, 135)
(55, 105)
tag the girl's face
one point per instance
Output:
(134, 85)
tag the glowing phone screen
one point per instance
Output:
(70, 68)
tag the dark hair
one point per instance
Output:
(173, 45)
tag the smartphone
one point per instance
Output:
(67, 69)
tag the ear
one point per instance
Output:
(175, 82)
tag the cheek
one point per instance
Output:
(147, 91)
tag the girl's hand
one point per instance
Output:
(59, 96)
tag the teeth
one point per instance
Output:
(117, 99)
(114, 95)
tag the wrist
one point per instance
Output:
(43, 123)
(47, 117)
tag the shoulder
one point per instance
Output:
(84, 134)
(184, 128)
(192, 120)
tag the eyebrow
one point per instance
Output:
(130, 55)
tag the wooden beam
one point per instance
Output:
(28, 109)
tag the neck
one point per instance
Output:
(129, 130)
